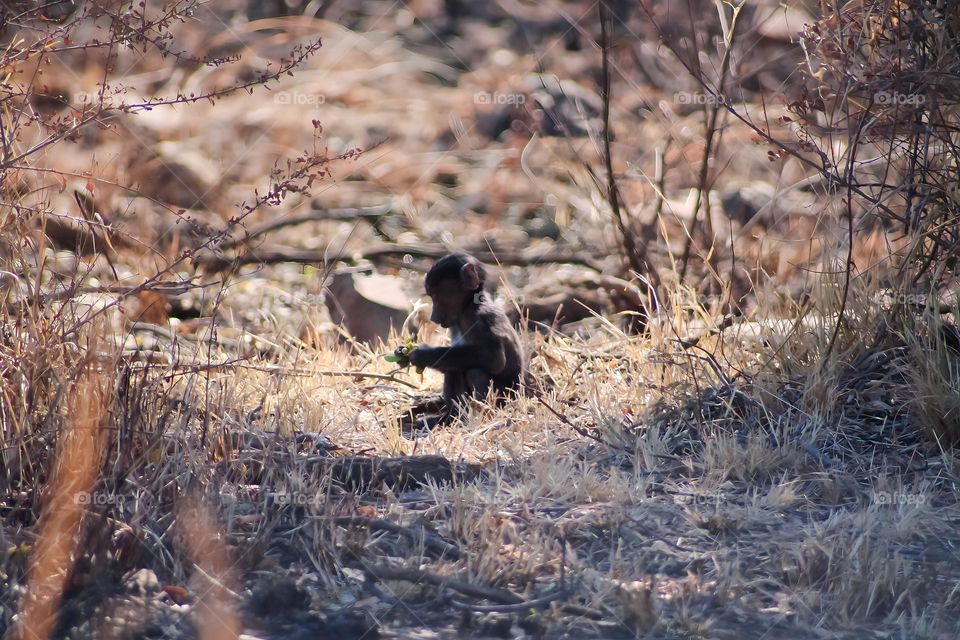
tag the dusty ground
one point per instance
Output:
(645, 488)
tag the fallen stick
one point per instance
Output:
(407, 574)
(537, 603)
(337, 215)
(277, 255)
(430, 541)
(507, 601)
(399, 473)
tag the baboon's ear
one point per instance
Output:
(470, 276)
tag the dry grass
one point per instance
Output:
(787, 513)
(789, 476)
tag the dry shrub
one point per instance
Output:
(934, 375)
(882, 81)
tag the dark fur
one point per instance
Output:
(484, 349)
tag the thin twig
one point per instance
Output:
(852, 153)
(713, 116)
(636, 253)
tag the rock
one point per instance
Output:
(58, 10)
(179, 177)
(279, 608)
(568, 109)
(492, 123)
(96, 237)
(143, 583)
(187, 230)
(543, 227)
(277, 595)
(368, 306)
(50, 100)
(743, 203)
(542, 102)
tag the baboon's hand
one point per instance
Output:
(416, 357)
(403, 355)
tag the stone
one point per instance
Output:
(367, 306)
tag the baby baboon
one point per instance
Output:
(484, 347)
